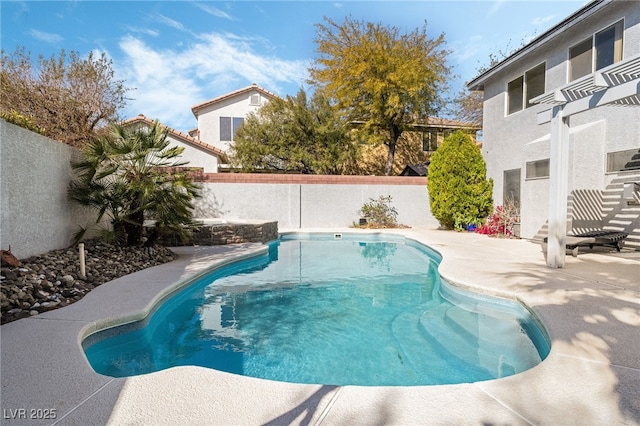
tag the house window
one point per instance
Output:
(608, 45)
(228, 127)
(537, 169)
(597, 52)
(524, 88)
(534, 83)
(429, 141)
(255, 100)
(623, 160)
(515, 91)
(511, 187)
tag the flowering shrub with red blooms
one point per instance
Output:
(500, 222)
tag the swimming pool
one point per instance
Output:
(329, 309)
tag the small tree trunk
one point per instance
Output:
(134, 226)
(388, 167)
(395, 133)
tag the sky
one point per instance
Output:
(176, 54)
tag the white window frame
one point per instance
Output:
(615, 159)
(525, 97)
(254, 100)
(529, 172)
(618, 51)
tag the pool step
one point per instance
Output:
(415, 352)
(460, 349)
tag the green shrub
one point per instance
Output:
(459, 192)
(380, 212)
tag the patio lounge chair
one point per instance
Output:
(594, 238)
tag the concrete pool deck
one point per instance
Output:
(591, 309)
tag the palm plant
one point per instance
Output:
(121, 175)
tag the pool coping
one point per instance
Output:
(591, 310)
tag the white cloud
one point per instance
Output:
(168, 21)
(169, 82)
(147, 31)
(214, 11)
(462, 51)
(46, 37)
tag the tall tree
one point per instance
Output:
(468, 107)
(295, 134)
(381, 79)
(65, 95)
(121, 175)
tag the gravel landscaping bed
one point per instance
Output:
(52, 280)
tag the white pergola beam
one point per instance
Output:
(603, 97)
(600, 98)
(558, 188)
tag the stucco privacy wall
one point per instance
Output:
(35, 172)
(309, 201)
(36, 216)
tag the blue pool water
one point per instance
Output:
(350, 311)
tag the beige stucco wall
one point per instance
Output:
(35, 172)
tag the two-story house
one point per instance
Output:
(206, 146)
(561, 125)
(218, 118)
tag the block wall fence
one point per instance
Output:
(311, 201)
(36, 216)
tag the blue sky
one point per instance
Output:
(179, 53)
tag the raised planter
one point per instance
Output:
(216, 232)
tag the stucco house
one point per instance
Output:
(561, 125)
(218, 118)
(196, 152)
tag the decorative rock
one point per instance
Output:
(68, 281)
(33, 312)
(42, 294)
(52, 280)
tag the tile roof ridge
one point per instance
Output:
(184, 136)
(211, 101)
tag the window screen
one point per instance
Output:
(580, 60)
(225, 128)
(535, 83)
(511, 186)
(538, 169)
(515, 91)
(623, 160)
(237, 122)
(609, 46)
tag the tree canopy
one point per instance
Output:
(295, 134)
(65, 96)
(468, 107)
(381, 79)
(121, 175)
